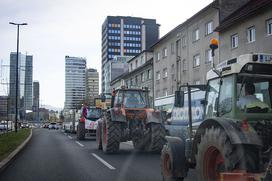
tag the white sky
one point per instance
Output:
(73, 27)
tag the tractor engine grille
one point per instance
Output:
(139, 115)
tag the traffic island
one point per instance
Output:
(11, 144)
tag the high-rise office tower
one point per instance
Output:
(92, 90)
(75, 82)
(36, 99)
(126, 36)
(25, 76)
(28, 82)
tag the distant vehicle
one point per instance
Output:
(3, 125)
(87, 125)
(53, 126)
(68, 126)
(24, 125)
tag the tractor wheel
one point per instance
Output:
(216, 154)
(98, 136)
(81, 131)
(111, 135)
(171, 162)
(157, 138)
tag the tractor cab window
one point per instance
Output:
(135, 99)
(94, 113)
(226, 93)
(118, 99)
(212, 98)
(254, 93)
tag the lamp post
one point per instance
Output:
(16, 75)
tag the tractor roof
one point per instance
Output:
(235, 65)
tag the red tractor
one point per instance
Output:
(130, 118)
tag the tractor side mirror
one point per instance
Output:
(179, 98)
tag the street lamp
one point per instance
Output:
(16, 75)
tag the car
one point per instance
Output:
(24, 125)
(53, 126)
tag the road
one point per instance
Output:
(54, 155)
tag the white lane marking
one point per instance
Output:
(70, 137)
(103, 161)
(79, 144)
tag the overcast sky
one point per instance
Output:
(73, 27)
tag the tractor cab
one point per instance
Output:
(227, 91)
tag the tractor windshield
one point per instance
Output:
(135, 99)
(93, 113)
(254, 93)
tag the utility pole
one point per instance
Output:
(16, 69)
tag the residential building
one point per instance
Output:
(75, 82)
(28, 82)
(125, 36)
(114, 68)
(183, 55)
(246, 29)
(92, 85)
(139, 74)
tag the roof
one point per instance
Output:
(211, 5)
(138, 55)
(251, 8)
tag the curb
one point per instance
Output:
(4, 163)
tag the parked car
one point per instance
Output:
(24, 125)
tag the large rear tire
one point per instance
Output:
(216, 154)
(111, 135)
(98, 136)
(173, 161)
(157, 137)
(81, 131)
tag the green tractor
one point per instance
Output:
(234, 140)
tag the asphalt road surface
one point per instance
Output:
(54, 155)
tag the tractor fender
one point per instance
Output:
(233, 129)
(116, 115)
(153, 116)
(177, 147)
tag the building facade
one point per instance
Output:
(183, 55)
(28, 82)
(114, 68)
(3, 107)
(125, 36)
(75, 82)
(25, 77)
(246, 29)
(92, 84)
(139, 74)
(36, 99)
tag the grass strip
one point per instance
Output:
(10, 141)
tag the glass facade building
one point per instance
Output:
(125, 36)
(75, 82)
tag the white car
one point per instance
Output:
(53, 126)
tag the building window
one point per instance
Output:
(136, 80)
(149, 74)
(157, 93)
(251, 34)
(158, 56)
(136, 63)
(209, 28)
(165, 92)
(164, 52)
(165, 73)
(196, 60)
(142, 77)
(197, 82)
(158, 75)
(269, 27)
(183, 41)
(142, 60)
(172, 48)
(234, 41)
(208, 56)
(184, 65)
(196, 35)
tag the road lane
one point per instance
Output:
(52, 155)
